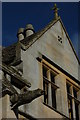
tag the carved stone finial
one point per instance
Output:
(55, 11)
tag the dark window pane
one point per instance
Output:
(53, 97)
(52, 77)
(75, 92)
(69, 101)
(77, 111)
(68, 88)
(44, 71)
(70, 107)
(76, 104)
(45, 87)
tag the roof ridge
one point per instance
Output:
(38, 34)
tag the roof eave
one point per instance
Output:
(13, 73)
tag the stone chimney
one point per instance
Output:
(20, 34)
(29, 30)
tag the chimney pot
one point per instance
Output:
(29, 30)
(20, 34)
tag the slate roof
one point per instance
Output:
(9, 53)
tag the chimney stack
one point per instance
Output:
(29, 30)
(20, 34)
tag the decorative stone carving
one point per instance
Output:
(17, 99)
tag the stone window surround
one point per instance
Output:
(72, 97)
(43, 62)
(58, 73)
(50, 84)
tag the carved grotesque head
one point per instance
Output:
(39, 92)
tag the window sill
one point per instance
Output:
(56, 110)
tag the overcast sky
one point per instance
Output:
(16, 15)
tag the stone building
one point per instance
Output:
(48, 61)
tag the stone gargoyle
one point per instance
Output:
(17, 99)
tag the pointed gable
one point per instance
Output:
(59, 32)
(59, 29)
(54, 43)
(60, 49)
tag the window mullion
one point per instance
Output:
(76, 103)
(49, 89)
(73, 103)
